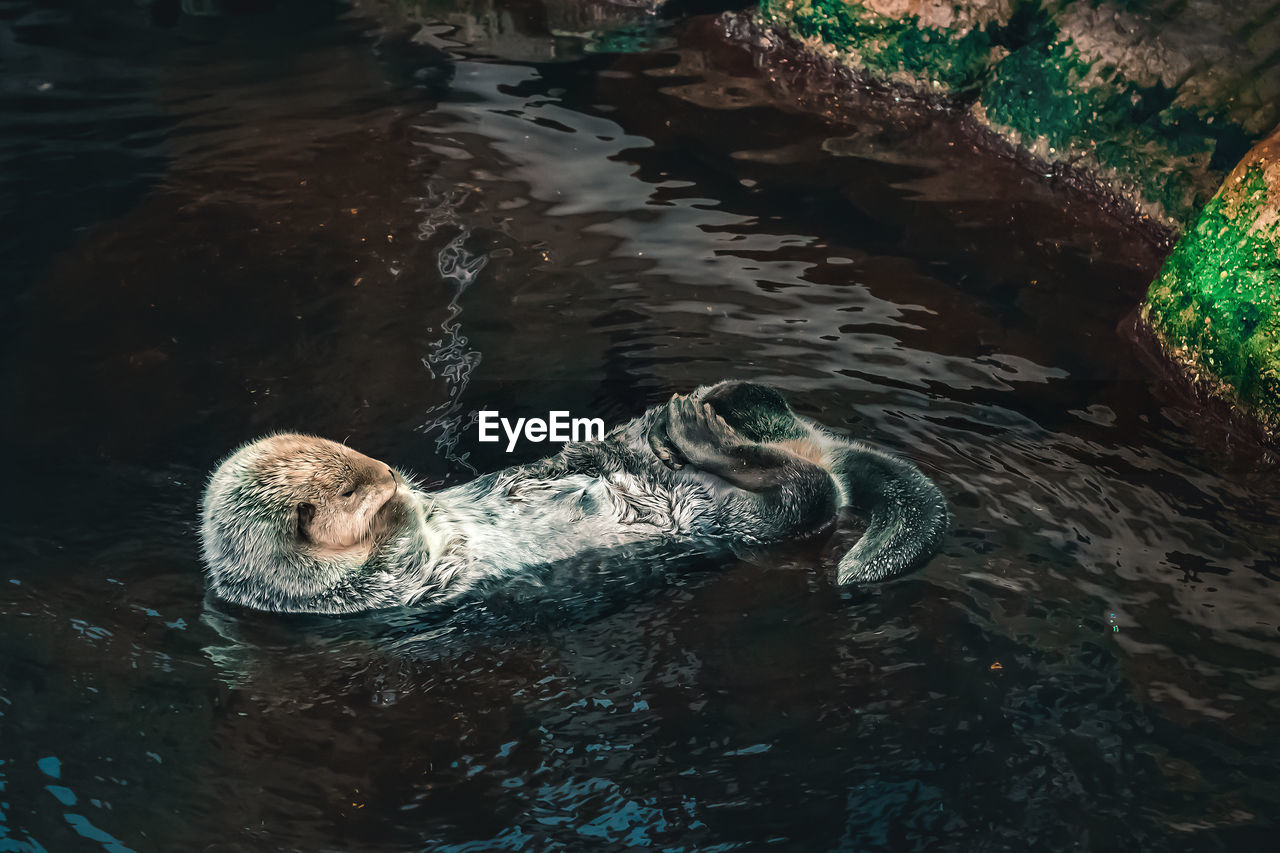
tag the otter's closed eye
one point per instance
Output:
(349, 492)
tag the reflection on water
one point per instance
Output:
(371, 220)
(448, 357)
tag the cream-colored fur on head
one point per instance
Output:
(289, 517)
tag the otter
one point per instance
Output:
(294, 523)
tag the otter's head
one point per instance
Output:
(288, 522)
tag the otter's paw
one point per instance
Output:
(697, 432)
(662, 447)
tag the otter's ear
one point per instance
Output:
(306, 512)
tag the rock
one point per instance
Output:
(1215, 307)
(1153, 100)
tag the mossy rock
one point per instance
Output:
(1215, 307)
(1150, 98)
(1153, 99)
(905, 49)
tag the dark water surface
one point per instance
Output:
(369, 223)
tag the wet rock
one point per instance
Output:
(1155, 100)
(1152, 101)
(1215, 307)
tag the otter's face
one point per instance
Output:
(333, 494)
(289, 516)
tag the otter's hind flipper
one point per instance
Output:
(702, 437)
(757, 412)
(753, 440)
(783, 493)
(906, 512)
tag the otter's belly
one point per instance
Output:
(520, 522)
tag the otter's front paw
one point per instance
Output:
(662, 447)
(699, 434)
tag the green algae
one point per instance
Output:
(1036, 90)
(631, 39)
(886, 46)
(1172, 157)
(1216, 301)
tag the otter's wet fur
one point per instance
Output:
(295, 523)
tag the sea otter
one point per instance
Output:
(295, 523)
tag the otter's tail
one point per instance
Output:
(906, 513)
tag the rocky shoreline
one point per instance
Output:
(1161, 110)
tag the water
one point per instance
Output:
(332, 218)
